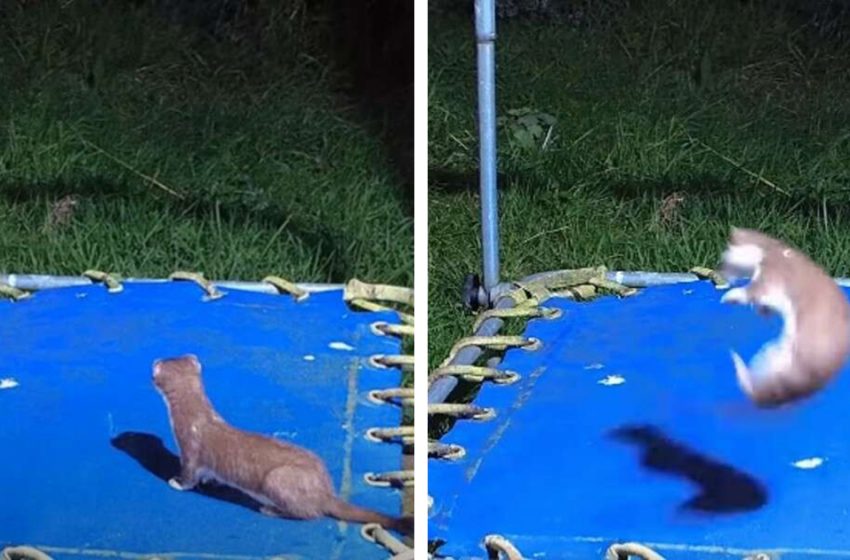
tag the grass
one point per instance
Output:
(275, 170)
(738, 108)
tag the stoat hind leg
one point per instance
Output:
(742, 372)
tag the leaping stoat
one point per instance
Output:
(815, 340)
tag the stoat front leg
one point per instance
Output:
(738, 295)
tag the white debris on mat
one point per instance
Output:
(810, 463)
(612, 380)
(80, 295)
(8, 383)
(687, 292)
(594, 366)
(340, 346)
(309, 358)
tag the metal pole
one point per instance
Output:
(485, 31)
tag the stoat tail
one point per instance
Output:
(349, 512)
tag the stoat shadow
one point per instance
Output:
(149, 451)
(722, 488)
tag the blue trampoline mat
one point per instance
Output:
(86, 445)
(628, 425)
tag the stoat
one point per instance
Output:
(288, 481)
(815, 340)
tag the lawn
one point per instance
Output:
(669, 123)
(235, 152)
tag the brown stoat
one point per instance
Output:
(287, 480)
(815, 340)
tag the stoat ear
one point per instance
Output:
(157, 367)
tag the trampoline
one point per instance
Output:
(620, 420)
(613, 426)
(86, 443)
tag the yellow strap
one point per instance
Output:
(23, 553)
(614, 287)
(367, 305)
(464, 411)
(198, 278)
(12, 293)
(499, 547)
(286, 287)
(113, 284)
(709, 274)
(403, 361)
(624, 551)
(391, 478)
(448, 451)
(387, 435)
(475, 374)
(356, 289)
(492, 342)
(374, 533)
(523, 310)
(404, 394)
(582, 292)
(394, 330)
(366, 296)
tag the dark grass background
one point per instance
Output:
(672, 121)
(285, 127)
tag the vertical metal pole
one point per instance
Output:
(485, 31)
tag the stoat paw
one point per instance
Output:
(735, 295)
(175, 483)
(270, 511)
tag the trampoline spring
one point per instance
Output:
(12, 293)
(212, 293)
(499, 547)
(374, 533)
(390, 396)
(397, 479)
(475, 374)
(624, 551)
(447, 451)
(462, 411)
(402, 361)
(112, 282)
(404, 434)
(382, 328)
(284, 286)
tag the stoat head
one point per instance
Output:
(171, 373)
(745, 252)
